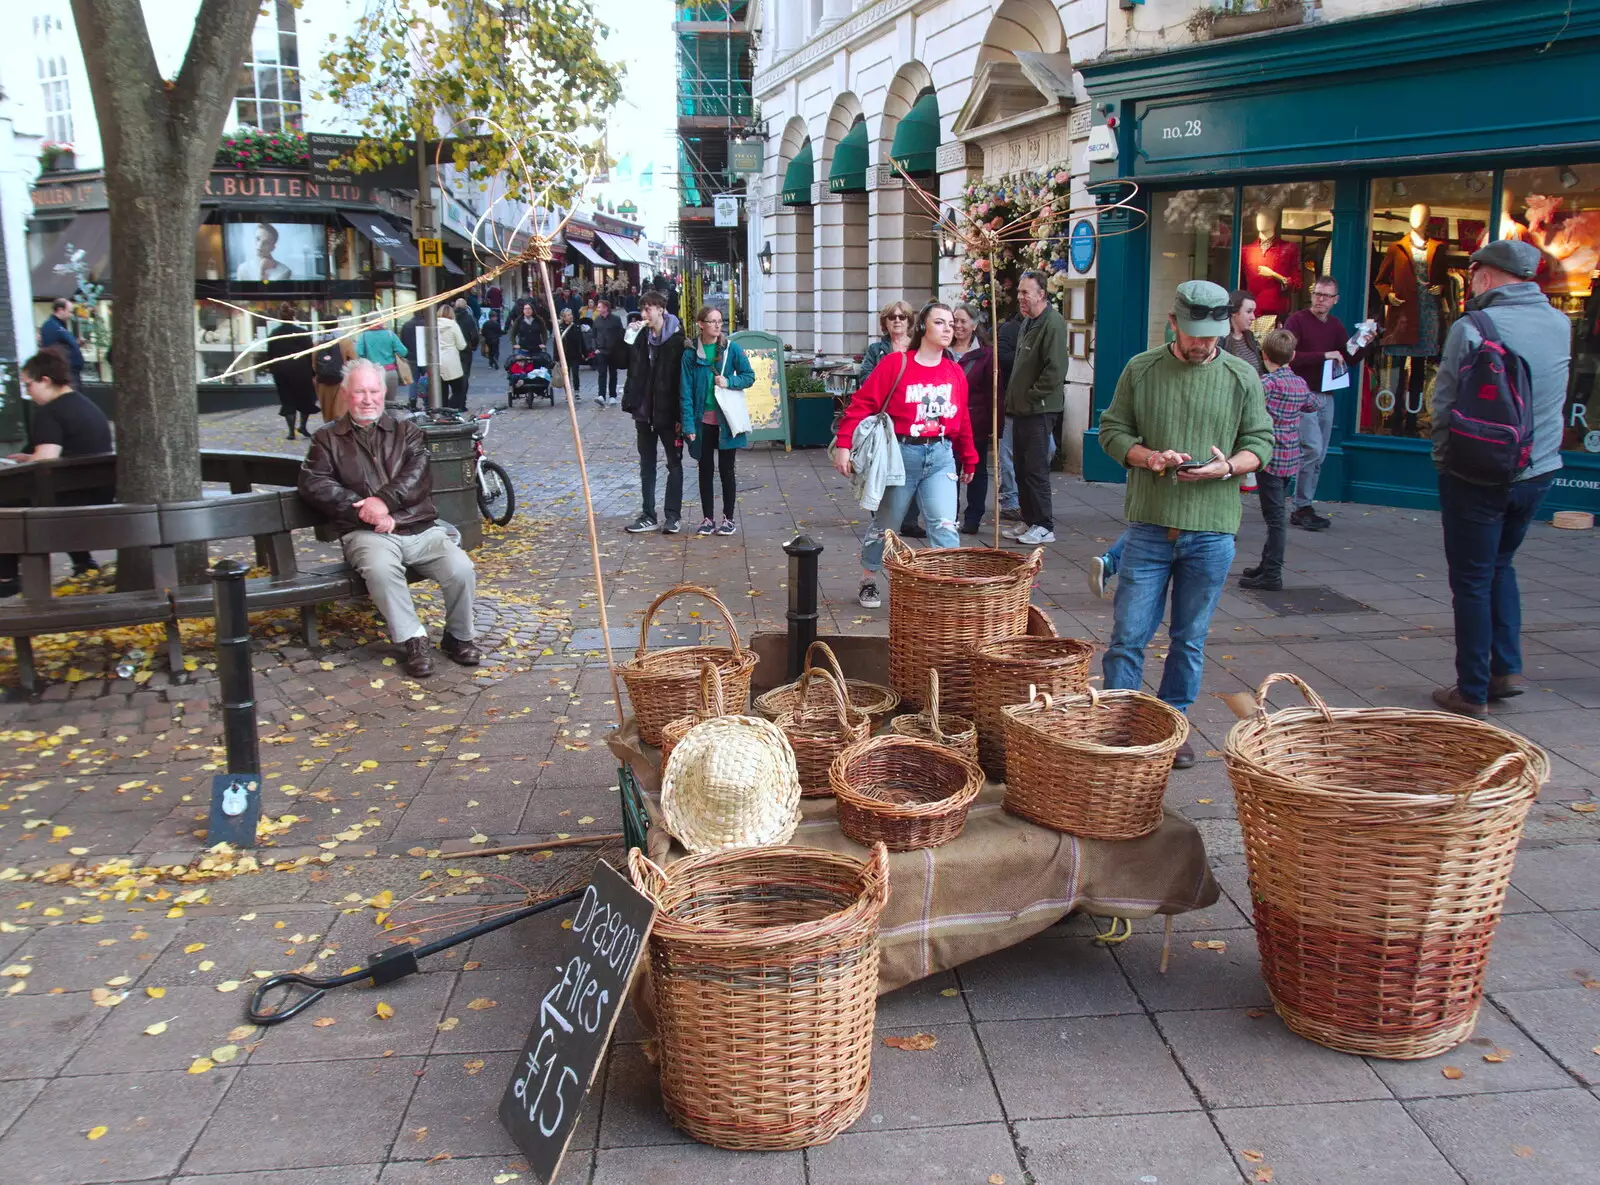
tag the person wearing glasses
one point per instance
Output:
(1322, 337)
(894, 325)
(713, 364)
(1187, 420)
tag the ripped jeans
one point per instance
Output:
(930, 478)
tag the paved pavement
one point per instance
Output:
(1056, 1061)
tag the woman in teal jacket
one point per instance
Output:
(713, 361)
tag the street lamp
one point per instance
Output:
(765, 257)
(949, 241)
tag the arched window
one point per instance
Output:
(269, 97)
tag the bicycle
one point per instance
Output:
(496, 499)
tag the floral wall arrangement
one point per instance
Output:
(250, 148)
(998, 203)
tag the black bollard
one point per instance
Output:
(235, 796)
(802, 551)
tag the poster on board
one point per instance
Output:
(276, 252)
(768, 397)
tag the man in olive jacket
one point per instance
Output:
(1034, 398)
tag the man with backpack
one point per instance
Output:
(1497, 417)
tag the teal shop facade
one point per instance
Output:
(1379, 151)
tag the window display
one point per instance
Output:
(1191, 238)
(1288, 232)
(1423, 230)
(223, 333)
(276, 252)
(1557, 209)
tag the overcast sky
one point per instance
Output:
(643, 124)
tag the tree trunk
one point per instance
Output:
(160, 140)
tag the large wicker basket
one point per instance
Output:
(1092, 765)
(1002, 673)
(943, 602)
(665, 684)
(764, 965)
(877, 701)
(940, 727)
(1380, 843)
(903, 792)
(712, 703)
(819, 730)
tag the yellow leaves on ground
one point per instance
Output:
(472, 1067)
(1253, 1156)
(1210, 944)
(94, 1133)
(155, 993)
(1585, 808)
(1498, 1056)
(241, 1032)
(450, 1022)
(916, 1043)
(224, 1054)
(481, 1003)
(194, 947)
(367, 764)
(228, 985)
(200, 1065)
(156, 1029)
(1453, 1072)
(384, 1011)
(323, 1022)
(18, 970)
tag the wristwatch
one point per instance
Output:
(1229, 463)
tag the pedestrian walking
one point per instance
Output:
(468, 324)
(924, 392)
(1240, 341)
(610, 352)
(1034, 396)
(1288, 398)
(417, 392)
(713, 364)
(977, 363)
(894, 336)
(1322, 338)
(491, 332)
(56, 334)
(294, 377)
(381, 346)
(525, 329)
(1005, 356)
(652, 397)
(328, 366)
(572, 346)
(1184, 402)
(1488, 494)
(452, 376)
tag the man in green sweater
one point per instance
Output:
(1033, 400)
(1187, 420)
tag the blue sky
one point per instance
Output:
(642, 124)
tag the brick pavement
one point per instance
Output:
(1060, 1059)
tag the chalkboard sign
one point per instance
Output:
(593, 967)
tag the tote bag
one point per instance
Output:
(730, 404)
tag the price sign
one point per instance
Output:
(592, 969)
(430, 252)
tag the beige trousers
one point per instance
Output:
(382, 561)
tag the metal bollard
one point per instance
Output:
(235, 795)
(802, 551)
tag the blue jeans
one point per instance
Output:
(1195, 566)
(1113, 554)
(930, 478)
(1008, 471)
(1483, 527)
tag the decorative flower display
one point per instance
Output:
(250, 148)
(1045, 197)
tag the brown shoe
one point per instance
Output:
(466, 653)
(419, 657)
(1449, 698)
(1507, 686)
(1184, 757)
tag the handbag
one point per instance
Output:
(402, 368)
(731, 404)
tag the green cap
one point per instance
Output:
(1201, 308)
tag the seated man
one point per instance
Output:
(368, 472)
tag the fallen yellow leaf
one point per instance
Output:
(228, 985)
(156, 1029)
(481, 1003)
(205, 965)
(194, 947)
(1453, 1072)
(155, 993)
(241, 1032)
(450, 1022)
(915, 1043)
(323, 1022)
(200, 1065)
(384, 1011)
(1252, 1155)
(1585, 808)
(473, 1066)
(224, 1054)
(1497, 1056)
(94, 1133)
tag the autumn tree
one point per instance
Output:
(531, 67)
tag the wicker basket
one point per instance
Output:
(877, 701)
(764, 965)
(1092, 765)
(665, 684)
(731, 783)
(819, 731)
(903, 792)
(1380, 844)
(953, 732)
(943, 602)
(1002, 673)
(711, 704)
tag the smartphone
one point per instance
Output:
(1182, 465)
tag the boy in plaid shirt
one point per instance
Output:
(1287, 396)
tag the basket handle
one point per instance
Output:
(678, 590)
(1501, 766)
(648, 877)
(933, 704)
(1035, 696)
(711, 698)
(1312, 698)
(841, 703)
(829, 656)
(896, 548)
(876, 882)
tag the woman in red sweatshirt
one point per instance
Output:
(924, 392)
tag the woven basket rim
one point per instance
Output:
(950, 804)
(641, 666)
(897, 556)
(1021, 714)
(1080, 648)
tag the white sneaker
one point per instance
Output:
(1015, 532)
(1098, 577)
(1034, 536)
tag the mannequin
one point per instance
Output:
(1411, 282)
(1271, 268)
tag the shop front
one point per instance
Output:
(1349, 150)
(328, 251)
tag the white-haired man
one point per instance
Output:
(368, 472)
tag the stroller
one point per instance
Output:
(528, 378)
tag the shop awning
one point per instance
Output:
(797, 178)
(589, 253)
(89, 233)
(383, 236)
(626, 249)
(916, 140)
(849, 171)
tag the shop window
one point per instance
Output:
(349, 253)
(269, 98)
(209, 261)
(1557, 209)
(1191, 238)
(1423, 230)
(276, 252)
(223, 332)
(1287, 243)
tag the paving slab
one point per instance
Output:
(1512, 1139)
(696, 1164)
(1116, 1149)
(455, 1110)
(1559, 878)
(358, 1031)
(198, 1020)
(1104, 1065)
(1044, 977)
(1519, 1064)
(933, 1000)
(480, 1170)
(39, 1034)
(15, 1097)
(345, 1174)
(1195, 976)
(1536, 951)
(1565, 1022)
(937, 1087)
(1585, 923)
(1333, 1144)
(632, 1114)
(1236, 1059)
(934, 1156)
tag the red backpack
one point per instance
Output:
(1491, 423)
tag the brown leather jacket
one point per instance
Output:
(392, 463)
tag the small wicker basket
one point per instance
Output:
(712, 704)
(954, 732)
(731, 783)
(877, 701)
(1092, 765)
(903, 792)
(819, 731)
(1004, 670)
(665, 684)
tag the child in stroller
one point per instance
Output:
(528, 378)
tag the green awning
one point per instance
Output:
(916, 140)
(849, 172)
(797, 178)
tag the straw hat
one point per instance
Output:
(731, 782)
